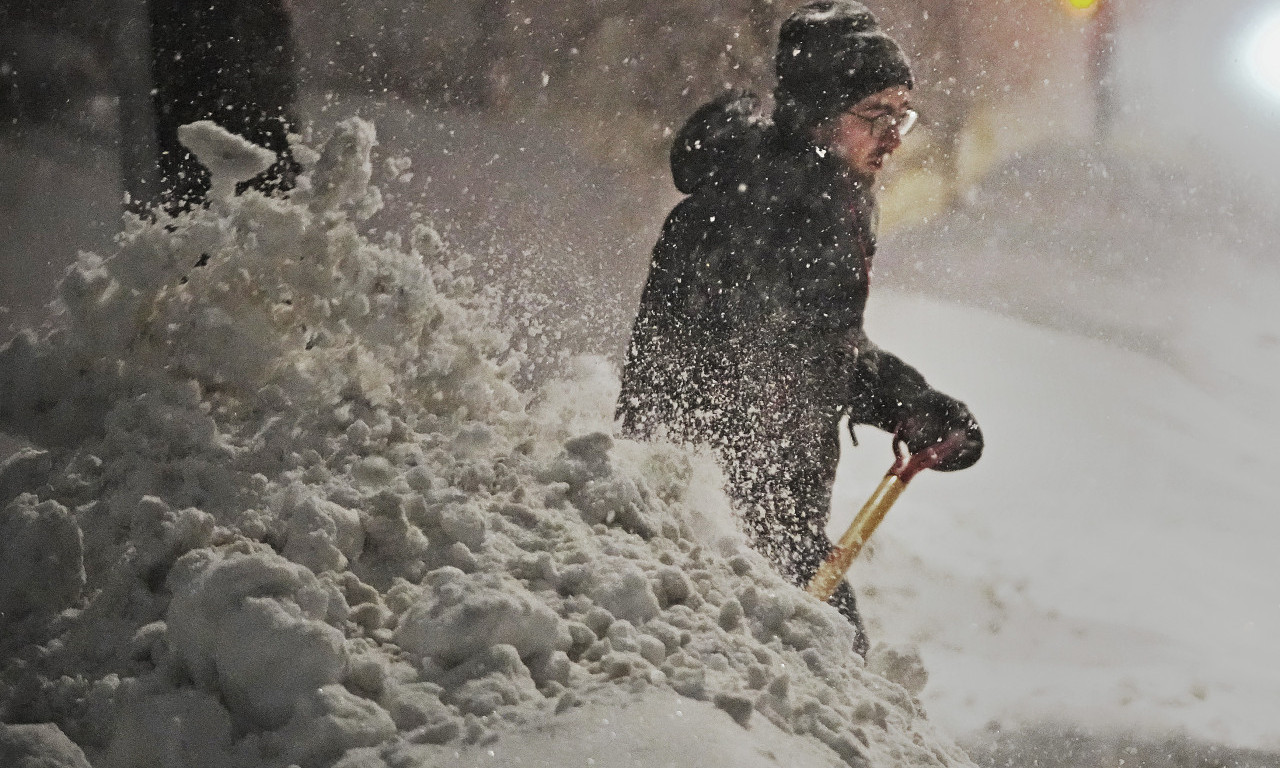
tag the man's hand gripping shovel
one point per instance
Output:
(904, 468)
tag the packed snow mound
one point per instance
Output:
(286, 508)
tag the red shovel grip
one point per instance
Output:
(909, 465)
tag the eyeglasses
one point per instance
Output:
(882, 122)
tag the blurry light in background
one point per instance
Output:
(1262, 55)
(1084, 8)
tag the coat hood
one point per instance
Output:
(720, 141)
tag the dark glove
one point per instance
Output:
(933, 418)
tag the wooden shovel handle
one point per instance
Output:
(905, 467)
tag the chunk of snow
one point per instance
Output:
(229, 158)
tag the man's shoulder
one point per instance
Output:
(781, 192)
(795, 180)
(772, 184)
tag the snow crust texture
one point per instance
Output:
(287, 508)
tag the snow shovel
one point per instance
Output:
(904, 468)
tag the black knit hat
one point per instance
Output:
(831, 55)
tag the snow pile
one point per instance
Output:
(288, 509)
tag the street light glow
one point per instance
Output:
(1262, 55)
(1083, 9)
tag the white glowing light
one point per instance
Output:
(1262, 55)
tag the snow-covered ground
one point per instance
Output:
(1111, 560)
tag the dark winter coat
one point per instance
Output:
(751, 321)
(749, 337)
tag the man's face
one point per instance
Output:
(853, 135)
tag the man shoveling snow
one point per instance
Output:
(750, 332)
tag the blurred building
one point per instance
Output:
(994, 76)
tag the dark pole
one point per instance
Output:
(945, 34)
(139, 169)
(1102, 43)
(229, 61)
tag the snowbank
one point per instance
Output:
(288, 509)
(1109, 564)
